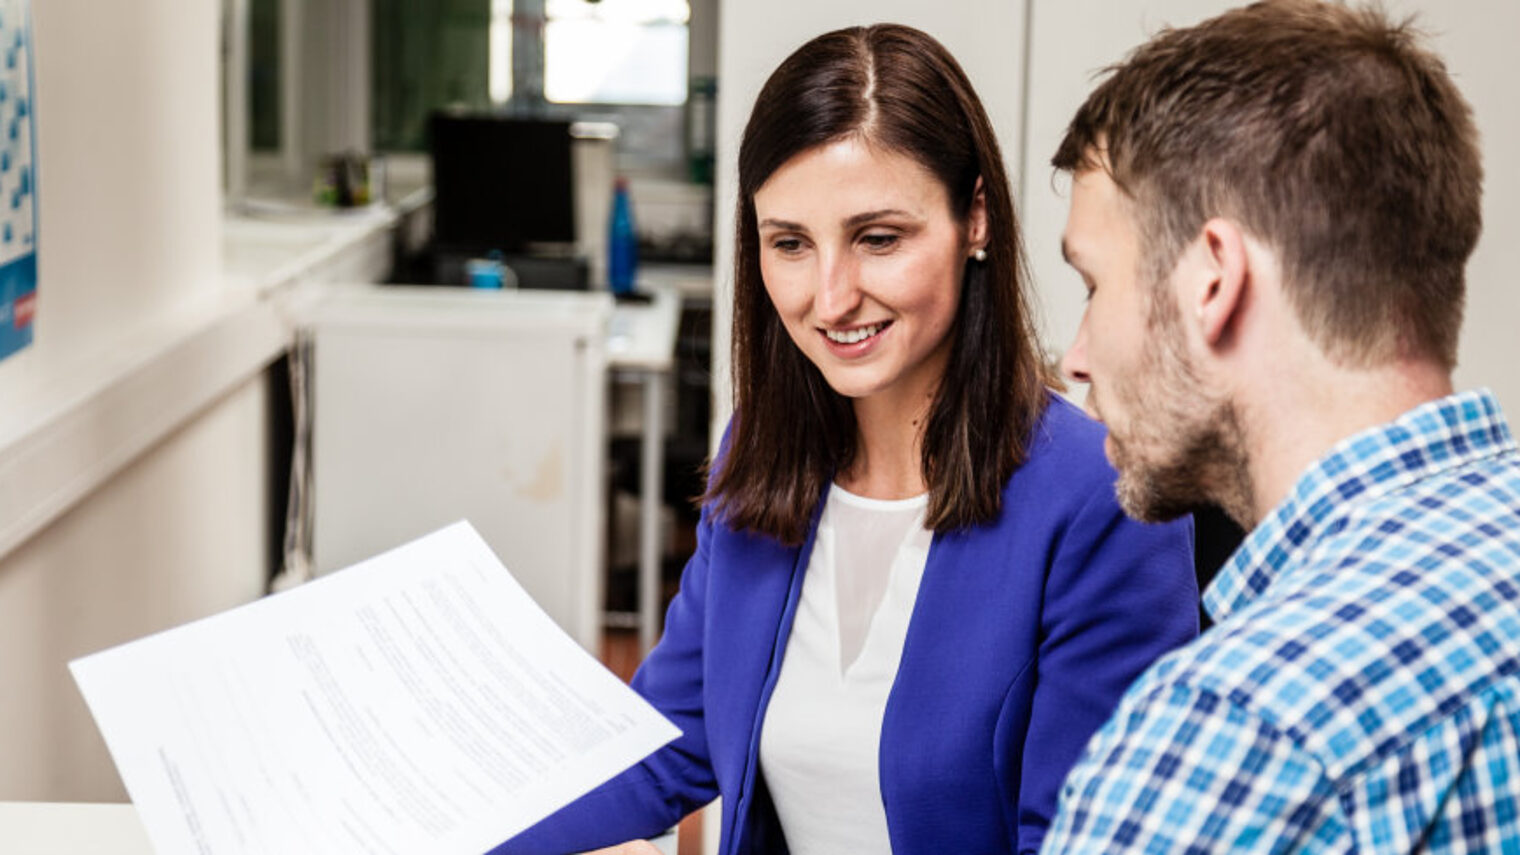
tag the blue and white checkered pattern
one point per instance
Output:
(1361, 691)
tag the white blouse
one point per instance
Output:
(820, 744)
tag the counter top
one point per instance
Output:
(68, 828)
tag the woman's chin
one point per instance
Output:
(853, 387)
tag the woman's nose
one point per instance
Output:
(838, 293)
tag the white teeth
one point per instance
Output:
(852, 336)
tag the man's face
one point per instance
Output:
(1167, 436)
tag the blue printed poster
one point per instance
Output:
(18, 179)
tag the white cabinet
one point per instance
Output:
(431, 405)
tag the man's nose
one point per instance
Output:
(1074, 361)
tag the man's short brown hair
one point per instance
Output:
(1327, 132)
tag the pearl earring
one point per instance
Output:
(980, 254)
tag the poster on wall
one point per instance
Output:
(18, 179)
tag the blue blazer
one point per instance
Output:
(1025, 632)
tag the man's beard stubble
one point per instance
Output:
(1204, 467)
(1191, 446)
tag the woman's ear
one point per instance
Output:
(976, 219)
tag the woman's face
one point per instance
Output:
(863, 260)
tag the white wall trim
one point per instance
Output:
(67, 451)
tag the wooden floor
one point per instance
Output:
(620, 653)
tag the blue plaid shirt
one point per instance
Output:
(1361, 691)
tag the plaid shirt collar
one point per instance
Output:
(1435, 436)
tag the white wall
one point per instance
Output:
(1477, 38)
(128, 166)
(986, 37)
(1071, 40)
(130, 237)
(177, 535)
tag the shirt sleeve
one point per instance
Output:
(1183, 770)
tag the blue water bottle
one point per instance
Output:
(622, 242)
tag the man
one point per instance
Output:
(1272, 212)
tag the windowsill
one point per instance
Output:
(70, 429)
(75, 428)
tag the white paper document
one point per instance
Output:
(417, 702)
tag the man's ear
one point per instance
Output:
(1224, 274)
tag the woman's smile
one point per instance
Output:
(854, 342)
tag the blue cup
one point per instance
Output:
(484, 273)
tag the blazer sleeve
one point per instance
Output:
(654, 795)
(1118, 595)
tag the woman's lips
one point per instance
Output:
(855, 341)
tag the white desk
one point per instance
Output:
(57, 828)
(641, 342)
(69, 828)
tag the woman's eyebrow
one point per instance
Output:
(868, 216)
(784, 225)
(849, 222)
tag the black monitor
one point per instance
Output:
(500, 183)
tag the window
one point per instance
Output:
(616, 51)
(526, 56)
(428, 54)
(624, 61)
(500, 48)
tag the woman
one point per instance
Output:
(914, 596)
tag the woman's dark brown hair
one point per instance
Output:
(900, 90)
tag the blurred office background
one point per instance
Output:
(147, 437)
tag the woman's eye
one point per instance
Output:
(879, 240)
(788, 246)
